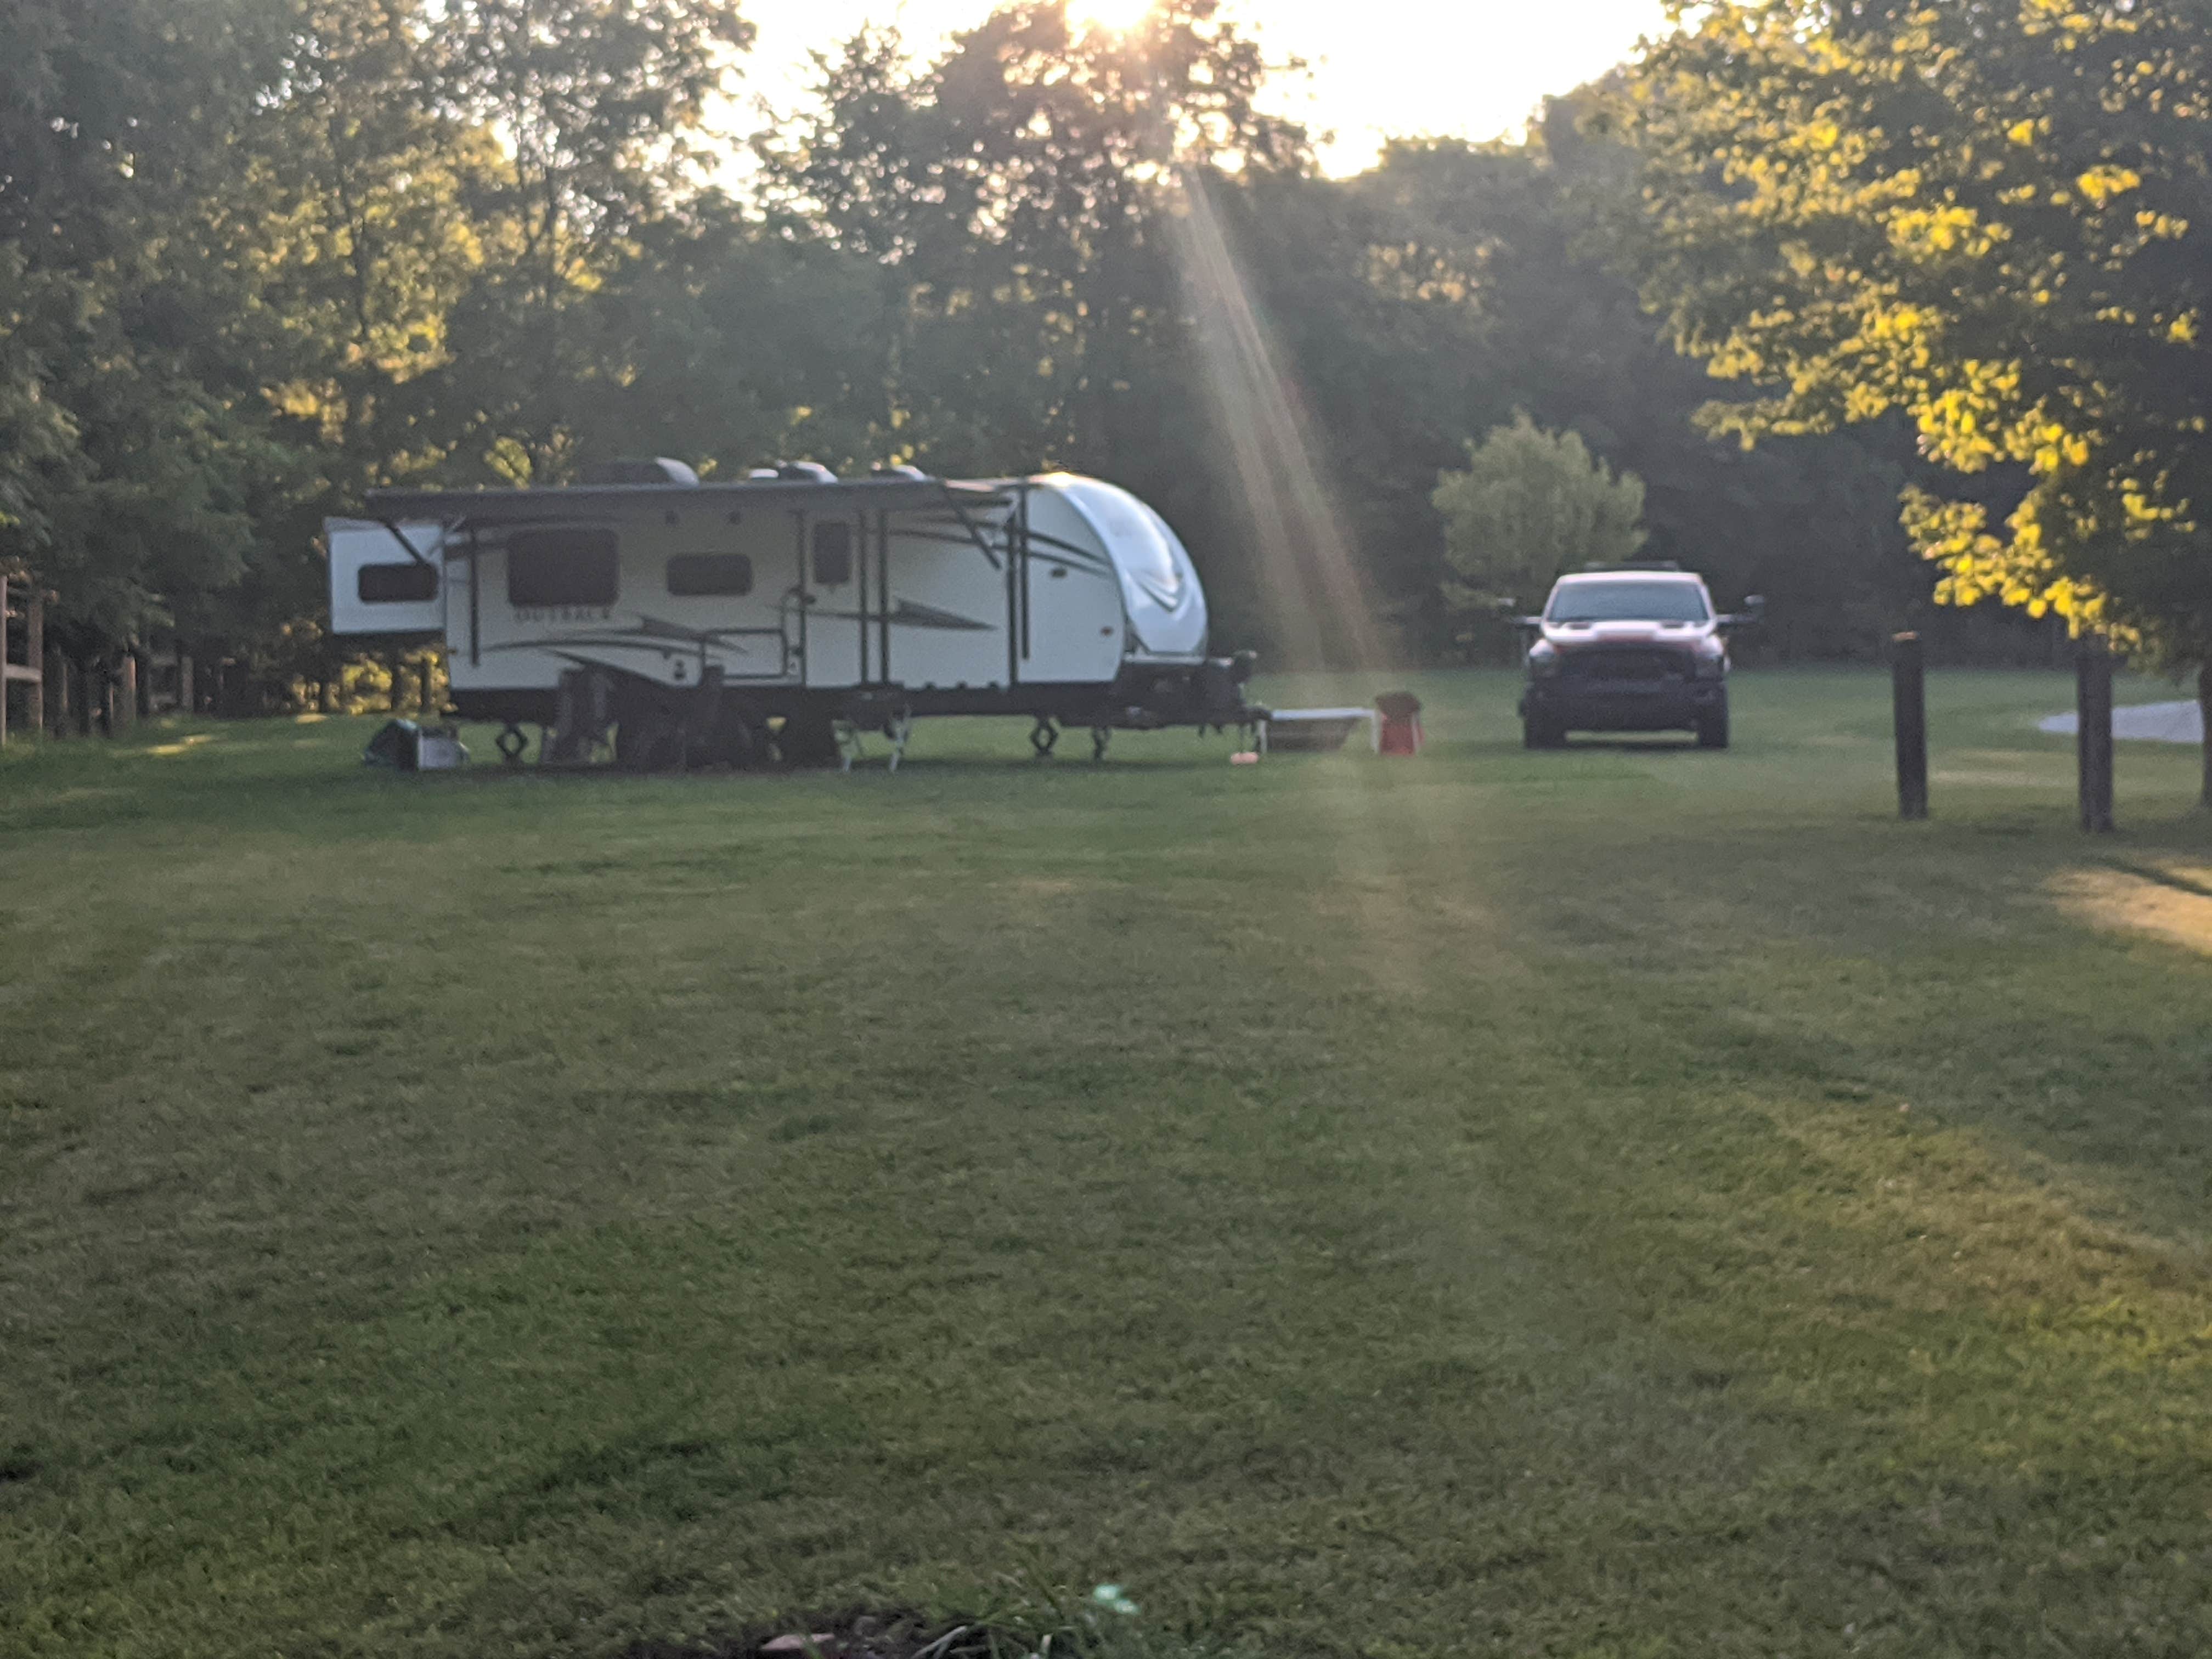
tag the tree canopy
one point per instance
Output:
(1528, 506)
(260, 256)
(1978, 217)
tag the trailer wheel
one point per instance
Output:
(808, 740)
(1044, 738)
(733, 741)
(650, 740)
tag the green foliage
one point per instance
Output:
(1526, 242)
(138, 465)
(1529, 506)
(1977, 217)
(253, 267)
(1014, 194)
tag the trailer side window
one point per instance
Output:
(710, 575)
(396, 584)
(833, 555)
(562, 567)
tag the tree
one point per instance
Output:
(1528, 241)
(119, 323)
(1982, 216)
(1014, 194)
(1530, 505)
(599, 108)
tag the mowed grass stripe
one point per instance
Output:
(1450, 1207)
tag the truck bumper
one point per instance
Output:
(1617, 705)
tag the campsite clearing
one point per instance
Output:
(1629, 1200)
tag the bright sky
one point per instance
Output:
(1472, 68)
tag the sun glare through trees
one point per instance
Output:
(1069, 871)
(1112, 16)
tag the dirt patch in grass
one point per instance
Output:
(2172, 903)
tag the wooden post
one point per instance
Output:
(2204, 716)
(1908, 676)
(140, 673)
(79, 680)
(34, 656)
(2092, 746)
(122, 699)
(186, 704)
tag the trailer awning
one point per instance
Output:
(485, 509)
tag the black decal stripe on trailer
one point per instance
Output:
(1073, 557)
(908, 614)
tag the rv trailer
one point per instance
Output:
(664, 622)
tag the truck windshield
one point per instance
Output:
(1628, 601)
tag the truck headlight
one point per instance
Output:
(1712, 660)
(1543, 660)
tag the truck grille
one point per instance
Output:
(1625, 663)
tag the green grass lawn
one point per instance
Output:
(1626, 1202)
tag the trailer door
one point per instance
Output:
(378, 586)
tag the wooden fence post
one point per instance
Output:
(34, 656)
(187, 705)
(122, 694)
(2204, 718)
(1908, 675)
(2092, 745)
(58, 698)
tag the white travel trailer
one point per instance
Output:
(673, 623)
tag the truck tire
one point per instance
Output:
(1538, 732)
(1713, 729)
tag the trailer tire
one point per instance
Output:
(808, 740)
(649, 740)
(734, 741)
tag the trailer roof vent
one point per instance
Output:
(660, 470)
(805, 472)
(884, 471)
